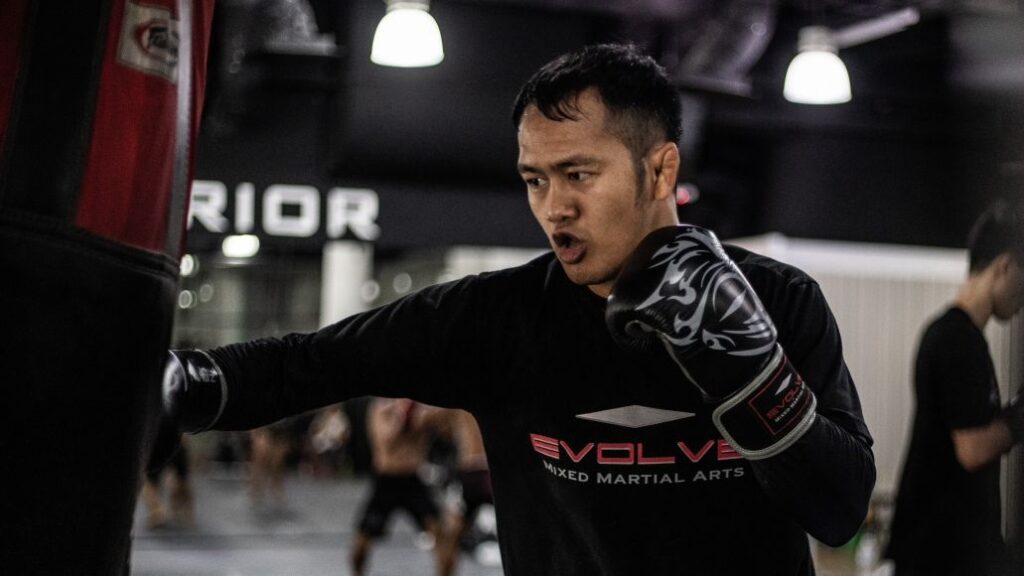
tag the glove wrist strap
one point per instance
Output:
(770, 413)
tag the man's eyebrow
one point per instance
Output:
(576, 160)
(570, 162)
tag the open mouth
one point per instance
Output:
(568, 248)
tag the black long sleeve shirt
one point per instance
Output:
(604, 462)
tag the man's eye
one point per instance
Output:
(577, 176)
(533, 182)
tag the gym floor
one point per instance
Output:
(308, 535)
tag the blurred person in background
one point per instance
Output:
(326, 443)
(947, 520)
(168, 461)
(474, 480)
(269, 447)
(275, 450)
(400, 431)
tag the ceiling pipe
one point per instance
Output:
(728, 47)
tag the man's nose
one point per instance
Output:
(561, 205)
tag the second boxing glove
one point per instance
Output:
(679, 290)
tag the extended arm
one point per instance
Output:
(421, 347)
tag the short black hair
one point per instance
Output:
(999, 230)
(643, 105)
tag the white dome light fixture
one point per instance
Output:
(407, 36)
(817, 75)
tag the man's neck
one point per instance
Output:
(975, 299)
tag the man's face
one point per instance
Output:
(1009, 291)
(582, 185)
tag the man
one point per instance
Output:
(948, 511)
(400, 431)
(607, 456)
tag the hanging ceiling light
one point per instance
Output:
(407, 36)
(817, 75)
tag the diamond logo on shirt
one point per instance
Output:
(635, 416)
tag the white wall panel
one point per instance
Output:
(882, 297)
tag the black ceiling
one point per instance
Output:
(935, 128)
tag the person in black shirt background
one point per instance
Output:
(947, 519)
(651, 402)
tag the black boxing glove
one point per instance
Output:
(679, 290)
(194, 390)
(193, 396)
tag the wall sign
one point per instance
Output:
(283, 211)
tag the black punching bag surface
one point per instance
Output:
(98, 106)
(83, 341)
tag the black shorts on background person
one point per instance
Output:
(948, 516)
(393, 493)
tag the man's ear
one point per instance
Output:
(664, 162)
(1002, 263)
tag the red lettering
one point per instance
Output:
(641, 459)
(576, 456)
(726, 451)
(700, 454)
(545, 445)
(627, 453)
(626, 447)
(787, 399)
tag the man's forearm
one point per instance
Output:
(266, 381)
(979, 446)
(825, 480)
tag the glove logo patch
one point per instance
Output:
(778, 409)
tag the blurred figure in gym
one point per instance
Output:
(327, 441)
(269, 447)
(178, 484)
(400, 431)
(474, 480)
(947, 520)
